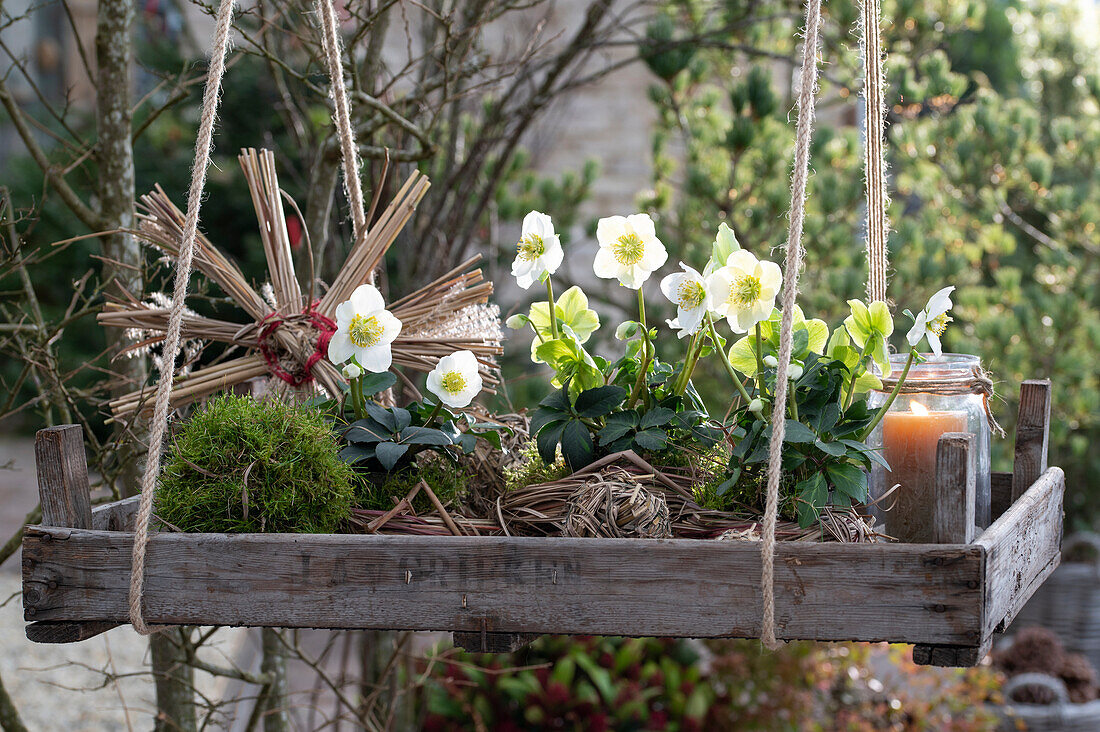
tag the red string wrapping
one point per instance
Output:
(321, 323)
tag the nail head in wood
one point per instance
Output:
(1032, 435)
(63, 477)
(953, 513)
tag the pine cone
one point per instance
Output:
(1080, 678)
(1034, 650)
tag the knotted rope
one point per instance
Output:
(204, 142)
(874, 158)
(203, 146)
(792, 266)
(977, 381)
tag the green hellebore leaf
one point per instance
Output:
(838, 340)
(858, 323)
(817, 333)
(879, 353)
(867, 382)
(573, 313)
(795, 431)
(599, 401)
(571, 363)
(725, 244)
(388, 453)
(576, 445)
(881, 320)
(813, 494)
(742, 355)
(848, 479)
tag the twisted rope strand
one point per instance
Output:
(203, 144)
(793, 265)
(874, 158)
(333, 48)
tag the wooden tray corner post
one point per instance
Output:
(65, 495)
(1023, 544)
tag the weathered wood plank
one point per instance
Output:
(1032, 435)
(950, 656)
(486, 642)
(903, 593)
(65, 632)
(1000, 488)
(65, 495)
(63, 477)
(1022, 547)
(116, 516)
(954, 509)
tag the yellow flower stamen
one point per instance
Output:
(454, 382)
(691, 294)
(365, 332)
(531, 247)
(745, 291)
(939, 323)
(628, 249)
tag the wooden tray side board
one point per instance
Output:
(496, 593)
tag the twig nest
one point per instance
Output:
(613, 504)
(750, 534)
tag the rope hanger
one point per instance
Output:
(874, 165)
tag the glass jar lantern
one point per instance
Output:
(938, 396)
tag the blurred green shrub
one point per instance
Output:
(596, 683)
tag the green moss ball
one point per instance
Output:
(240, 465)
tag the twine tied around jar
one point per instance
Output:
(978, 381)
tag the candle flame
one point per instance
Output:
(917, 408)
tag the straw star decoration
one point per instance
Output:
(288, 331)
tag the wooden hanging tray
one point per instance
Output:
(948, 598)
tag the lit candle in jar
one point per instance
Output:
(909, 442)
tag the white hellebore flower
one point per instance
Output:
(771, 360)
(688, 290)
(364, 329)
(629, 249)
(352, 371)
(455, 379)
(932, 321)
(538, 253)
(743, 291)
(756, 406)
(794, 371)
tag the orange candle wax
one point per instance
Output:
(909, 441)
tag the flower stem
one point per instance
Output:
(434, 414)
(759, 361)
(553, 309)
(357, 398)
(639, 384)
(855, 373)
(726, 361)
(794, 400)
(690, 359)
(890, 399)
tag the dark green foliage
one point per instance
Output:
(824, 457)
(388, 439)
(240, 465)
(601, 421)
